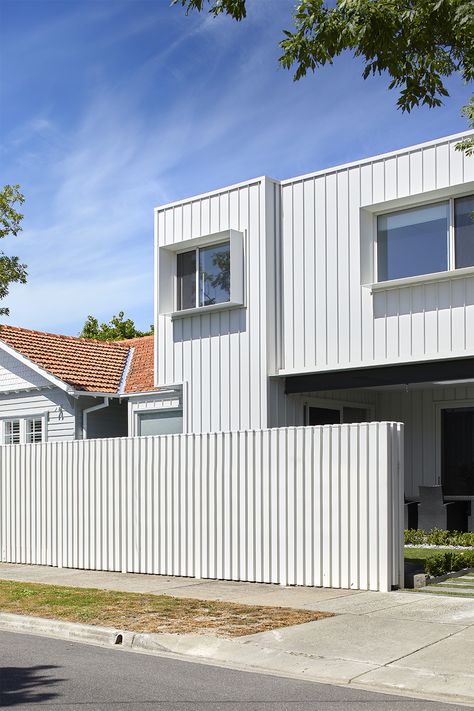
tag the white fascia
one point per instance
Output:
(210, 193)
(87, 393)
(381, 156)
(36, 368)
(163, 390)
(128, 363)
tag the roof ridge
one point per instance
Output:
(135, 339)
(76, 339)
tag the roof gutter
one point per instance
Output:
(163, 390)
(86, 393)
(88, 410)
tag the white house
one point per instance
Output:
(340, 296)
(346, 295)
(343, 296)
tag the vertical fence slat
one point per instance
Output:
(297, 506)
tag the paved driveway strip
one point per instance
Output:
(411, 643)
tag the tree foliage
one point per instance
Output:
(467, 144)
(11, 270)
(117, 329)
(417, 43)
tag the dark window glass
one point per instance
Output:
(464, 231)
(186, 271)
(323, 416)
(354, 414)
(413, 242)
(214, 274)
(457, 451)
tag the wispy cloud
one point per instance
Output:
(165, 106)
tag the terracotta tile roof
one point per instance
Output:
(92, 366)
(140, 377)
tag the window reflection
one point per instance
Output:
(214, 274)
(413, 242)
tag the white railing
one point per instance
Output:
(318, 506)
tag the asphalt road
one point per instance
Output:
(54, 674)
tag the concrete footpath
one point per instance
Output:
(411, 643)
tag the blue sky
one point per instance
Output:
(109, 108)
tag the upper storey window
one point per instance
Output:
(464, 231)
(203, 276)
(425, 240)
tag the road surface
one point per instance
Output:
(40, 672)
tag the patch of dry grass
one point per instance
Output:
(139, 612)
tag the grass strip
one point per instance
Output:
(140, 612)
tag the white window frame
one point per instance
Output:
(23, 431)
(197, 250)
(8, 420)
(34, 418)
(450, 237)
(155, 410)
(167, 278)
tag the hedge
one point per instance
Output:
(448, 562)
(437, 537)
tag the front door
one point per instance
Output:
(457, 451)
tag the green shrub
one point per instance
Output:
(437, 537)
(442, 563)
(414, 536)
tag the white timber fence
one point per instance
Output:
(319, 506)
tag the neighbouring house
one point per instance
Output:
(55, 387)
(345, 295)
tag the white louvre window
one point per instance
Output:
(12, 432)
(34, 430)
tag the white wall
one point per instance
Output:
(330, 320)
(290, 409)
(147, 403)
(296, 506)
(308, 246)
(419, 410)
(17, 376)
(222, 356)
(58, 407)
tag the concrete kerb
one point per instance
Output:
(65, 630)
(238, 654)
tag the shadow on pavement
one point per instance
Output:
(26, 685)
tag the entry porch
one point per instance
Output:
(434, 400)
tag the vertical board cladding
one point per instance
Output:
(317, 506)
(330, 320)
(419, 410)
(222, 355)
(53, 403)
